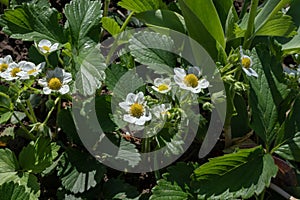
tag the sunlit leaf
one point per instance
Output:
(236, 175)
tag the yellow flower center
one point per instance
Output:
(191, 80)
(31, 71)
(136, 110)
(54, 83)
(246, 62)
(163, 87)
(3, 67)
(14, 71)
(46, 48)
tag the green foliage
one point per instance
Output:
(141, 5)
(290, 150)
(236, 175)
(110, 25)
(8, 165)
(115, 187)
(13, 191)
(128, 152)
(151, 47)
(79, 172)
(38, 155)
(209, 35)
(82, 16)
(90, 66)
(33, 22)
(163, 18)
(166, 190)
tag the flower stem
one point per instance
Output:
(52, 109)
(28, 134)
(30, 117)
(282, 192)
(115, 44)
(31, 111)
(250, 26)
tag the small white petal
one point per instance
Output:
(44, 42)
(125, 106)
(130, 99)
(253, 72)
(203, 83)
(129, 118)
(139, 98)
(47, 90)
(179, 72)
(54, 47)
(246, 71)
(64, 89)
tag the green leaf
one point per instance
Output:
(128, 152)
(8, 166)
(149, 47)
(82, 16)
(223, 9)
(66, 122)
(266, 94)
(103, 114)
(163, 18)
(33, 22)
(210, 35)
(20, 115)
(113, 75)
(38, 155)
(180, 174)
(166, 190)
(8, 132)
(114, 187)
(268, 12)
(79, 172)
(13, 191)
(235, 175)
(111, 25)
(140, 5)
(5, 103)
(279, 25)
(293, 44)
(91, 65)
(290, 150)
(5, 117)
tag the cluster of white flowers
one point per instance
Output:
(10, 70)
(55, 81)
(139, 113)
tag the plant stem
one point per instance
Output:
(31, 111)
(58, 111)
(105, 9)
(250, 26)
(230, 112)
(28, 134)
(30, 117)
(52, 109)
(282, 192)
(115, 44)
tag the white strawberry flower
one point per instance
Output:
(162, 85)
(136, 107)
(30, 69)
(11, 72)
(190, 81)
(46, 47)
(4, 63)
(56, 81)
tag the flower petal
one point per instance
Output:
(44, 42)
(64, 89)
(125, 106)
(203, 83)
(253, 72)
(130, 99)
(139, 98)
(47, 90)
(179, 72)
(129, 118)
